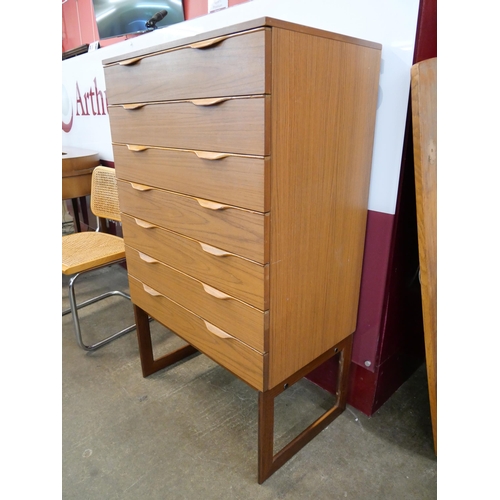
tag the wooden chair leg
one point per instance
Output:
(270, 462)
(148, 363)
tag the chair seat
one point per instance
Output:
(88, 250)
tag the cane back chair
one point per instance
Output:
(90, 250)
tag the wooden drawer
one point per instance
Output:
(229, 352)
(233, 229)
(234, 180)
(234, 275)
(237, 318)
(231, 125)
(205, 69)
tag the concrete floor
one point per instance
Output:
(190, 431)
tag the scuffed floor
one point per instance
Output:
(190, 431)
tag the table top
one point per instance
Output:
(78, 161)
(71, 152)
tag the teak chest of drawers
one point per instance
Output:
(243, 160)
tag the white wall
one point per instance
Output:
(389, 22)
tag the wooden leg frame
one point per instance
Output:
(148, 363)
(268, 461)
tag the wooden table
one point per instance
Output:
(77, 167)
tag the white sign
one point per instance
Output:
(215, 5)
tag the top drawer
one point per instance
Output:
(209, 68)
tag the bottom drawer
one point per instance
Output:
(240, 359)
(237, 318)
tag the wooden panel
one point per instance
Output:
(424, 112)
(230, 273)
(231, 126)
(211, 70)
(237, 357)
(240, 320)
(320, 172)
(233, 229)
(235, 180)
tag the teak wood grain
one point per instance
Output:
(230, 273)
(237, 318)
(258, 191)
(211, 71)
(245, 362)
(235, 180)
(236, 125)
(233, 229)
(324, 97)
(424, 113)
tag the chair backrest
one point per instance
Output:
(104, 196)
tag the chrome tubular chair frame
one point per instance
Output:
(92, 250)
(73, 309)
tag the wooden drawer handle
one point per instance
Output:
(196, 45)
(210, 155)
(136, 147)
(151, 291)
(208, 101)
(217, 331)
(144, 224)
(211, 205)
(214, 251)
(207, 43)
(130, 62)
(148, 259)
(140, 187)
(215, 293)
(135, 105)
